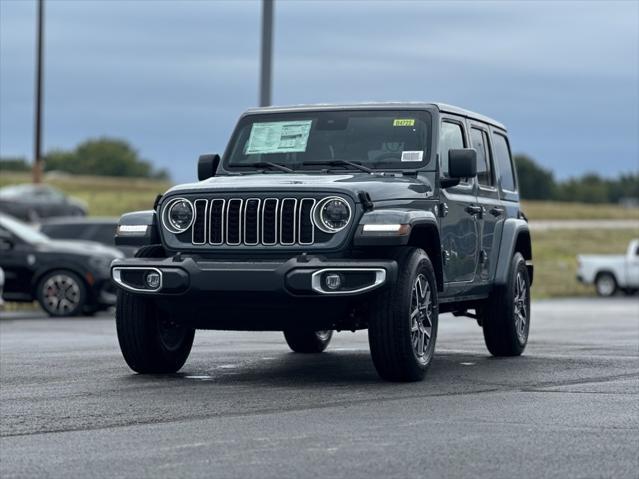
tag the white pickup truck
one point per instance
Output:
(610, 273)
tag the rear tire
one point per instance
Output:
(402, 328)
(301, 341)
(506, 315)
(61, 293)
(605, 285)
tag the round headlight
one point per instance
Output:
(179, 215)
(332, 214)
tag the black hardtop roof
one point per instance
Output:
(444, 108)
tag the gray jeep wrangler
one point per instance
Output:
(334, 217)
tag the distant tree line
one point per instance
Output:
(538, 183)
(100, 157)
(113, 157)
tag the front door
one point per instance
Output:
(459, 226)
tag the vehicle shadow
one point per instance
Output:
(346, 369)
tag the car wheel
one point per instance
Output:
(605, 285)
(506, 315)
(402, 328)
(150, 341)
(61, 293)
(301, 341)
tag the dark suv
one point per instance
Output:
(342, 217)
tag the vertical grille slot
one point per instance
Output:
(287, 221)
(252, 221)
(306, 227)
(216, 222)
(234, 222)
(269, 221)
(199, 223)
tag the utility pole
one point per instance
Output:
(37, 147)
(267, 52)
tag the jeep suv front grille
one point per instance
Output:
(254, 221)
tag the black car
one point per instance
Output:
(67, 278)
(31, 202)
(334, 217)
(100, 230)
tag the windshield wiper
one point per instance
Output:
(262, 164)
(338, 162)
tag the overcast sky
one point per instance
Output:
(173, 76)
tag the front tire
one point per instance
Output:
(150, 342)
(402, 329)
(301, 341)
(506, 316)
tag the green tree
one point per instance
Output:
(535, 182)
(102, 157)
(14, 164)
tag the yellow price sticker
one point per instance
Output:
(403, 122)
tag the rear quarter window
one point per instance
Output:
(504, 162)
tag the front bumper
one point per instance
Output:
(299, 276)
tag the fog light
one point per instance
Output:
(152, 280)
(333, 281)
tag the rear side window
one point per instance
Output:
(479, 141)
(503, 160)
(451, 137)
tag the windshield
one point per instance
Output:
(390, 139)
(22, 230)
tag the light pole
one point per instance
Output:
(37, 147)
(267, 52)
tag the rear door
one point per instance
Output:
(492, 213)
(459, 228)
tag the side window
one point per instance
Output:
(479, 141)
(451, 137)
(502, 158)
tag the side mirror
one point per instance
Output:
(462, 163)
(207, 166)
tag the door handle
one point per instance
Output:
(473, 210)
(496, 211)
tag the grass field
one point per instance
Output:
(554, 251)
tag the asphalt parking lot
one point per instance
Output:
(244, 406)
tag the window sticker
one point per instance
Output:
(278, 137)
(404, 122)
(412, 155)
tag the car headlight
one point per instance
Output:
(332, 214)
(178, 216)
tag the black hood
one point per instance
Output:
(379, 187)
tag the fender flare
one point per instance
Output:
(148, 218)
(414, 218)
(420, 221)
(515, 237)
